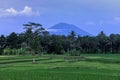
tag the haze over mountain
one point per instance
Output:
(65, 29)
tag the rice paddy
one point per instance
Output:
(60, 67)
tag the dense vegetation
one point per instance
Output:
(35, 40)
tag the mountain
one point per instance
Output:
(65, 29)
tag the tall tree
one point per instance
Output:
(103, 41)
(33, 33)
(12, 40)
(2, 43)
(72, 39)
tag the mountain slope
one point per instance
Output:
(65, 29)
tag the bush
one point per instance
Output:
(62, 51)
(74, 52)
(8, 51)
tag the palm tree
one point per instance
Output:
(33, 32)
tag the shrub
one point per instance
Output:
(8, 51)
(74, 52)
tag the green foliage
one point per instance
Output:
(12, 40)
(33, 33)
(20, 51)
(38, 40)
(62, 51)
(74, 52)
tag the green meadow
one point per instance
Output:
(61, 67)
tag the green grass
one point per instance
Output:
(58, 74)
(50, 67)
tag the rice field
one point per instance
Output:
(60, 67)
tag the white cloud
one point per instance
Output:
(11, 10)
(27, 11)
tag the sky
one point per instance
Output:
(92, 16)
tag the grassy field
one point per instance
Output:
(50, 67)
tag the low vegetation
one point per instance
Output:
(54, 67)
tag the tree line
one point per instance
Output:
(36, 40)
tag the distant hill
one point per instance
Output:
(65, 29)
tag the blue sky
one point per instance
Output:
(92, 16)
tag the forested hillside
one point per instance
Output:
(36, 40)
